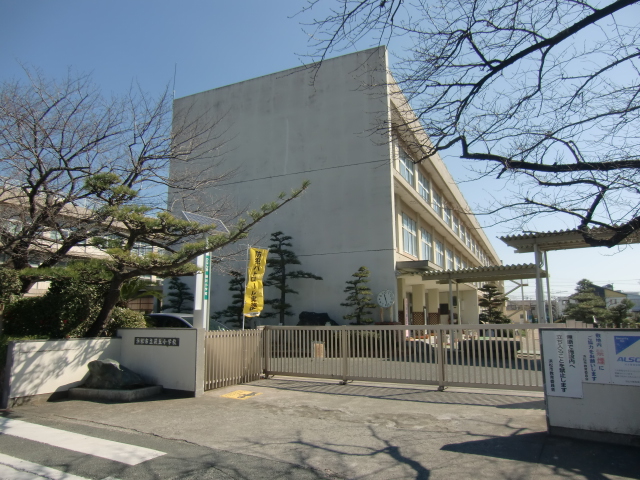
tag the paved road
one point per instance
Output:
(299, 429)
(63, 449)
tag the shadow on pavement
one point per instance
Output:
(414, 469)
(593, 460)
(384, 392)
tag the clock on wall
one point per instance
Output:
(386, 298)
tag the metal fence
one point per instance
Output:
(488, 356)
(232, 357)
(493, 356)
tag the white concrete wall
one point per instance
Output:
(46, 367)
(604, 408)
(286, 128)
(171, 367)
(40, 367)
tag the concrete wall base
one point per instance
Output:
(596, 436)
(105, 395)
(37, 399)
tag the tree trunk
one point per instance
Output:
(111, 299)
(283, 294)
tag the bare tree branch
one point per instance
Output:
(547, 91)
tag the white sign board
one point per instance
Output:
(572, 357)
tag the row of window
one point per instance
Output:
(427, 247)
(434, 199)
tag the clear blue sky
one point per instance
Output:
(214, 43)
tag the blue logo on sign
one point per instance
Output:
(622, 342)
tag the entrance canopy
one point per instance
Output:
(542, 242)
(428, 271)
(560, 240)
(494, 273)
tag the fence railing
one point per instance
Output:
(493, 356)
(489, 356)
(232, 357)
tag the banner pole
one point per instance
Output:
(246, 278)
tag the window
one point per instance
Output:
(424, 189)
(449, 259)
(456, 225)
(439, 253)
(409, 235)
(426, 245)
(437, 203)
(406, 167)
(447, 215)
(468, 240)
(457, 263)
(463, 233)
(142, 248)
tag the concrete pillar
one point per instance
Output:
(417, 292)
(468, 304)
(433, 297)
(400, 294)
(433, 301)
(418, 297)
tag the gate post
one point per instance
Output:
(265, 341)
(344, 343)
(440, 359)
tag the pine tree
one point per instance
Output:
(359, 297)
(233, 313)
(178, 296)
(278, 261)
(493, 302)
(619, 313)
(585, 305)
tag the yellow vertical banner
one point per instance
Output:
(254, 293)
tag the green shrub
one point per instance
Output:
(10, 286)
(66, 310)
(124, 318)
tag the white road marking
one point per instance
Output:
(116, 451)
(12, 468)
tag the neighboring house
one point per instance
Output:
(523, 311)
(610, 296)
(348, 129)
(635, 298)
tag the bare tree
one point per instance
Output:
(68, 154)
(544, 93)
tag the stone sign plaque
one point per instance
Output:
(160, 341)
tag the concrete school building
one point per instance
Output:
(348, 129)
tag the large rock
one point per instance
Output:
(109, 374)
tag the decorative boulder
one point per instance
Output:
(109, 374)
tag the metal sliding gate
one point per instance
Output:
(487, 356)
(232, 357)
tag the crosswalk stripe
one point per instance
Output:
(12, 468)
(116, 451)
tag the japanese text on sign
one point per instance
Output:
(160, 341)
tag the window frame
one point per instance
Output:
(407, 167)
(426, 246)
(424, 187)
(409, 237)
(439, 260)
(436, 203)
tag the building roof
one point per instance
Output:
(561, 239)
